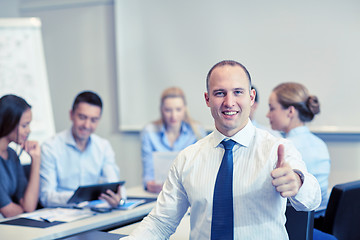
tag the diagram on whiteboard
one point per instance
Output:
(23, 71)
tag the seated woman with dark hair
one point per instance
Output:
(17, 195)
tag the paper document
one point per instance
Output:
(162, 164)
(103, 205)
(59, 214)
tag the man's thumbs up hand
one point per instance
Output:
(285, 180)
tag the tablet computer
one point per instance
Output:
(92, 192)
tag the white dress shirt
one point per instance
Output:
(259, 210)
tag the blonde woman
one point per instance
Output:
(174, 131)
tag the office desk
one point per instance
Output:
(182, 231)
(101, 221)
(299, 226)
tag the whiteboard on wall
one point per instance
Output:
(164, 43)
(23, 71)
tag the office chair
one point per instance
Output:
(342, 216)
(299, 224)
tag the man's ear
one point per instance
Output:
(71, 114)
(252, 96)
(206, 95)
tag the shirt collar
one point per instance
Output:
(297, 131)
(70, 140)
(242, 137)
(184, 128)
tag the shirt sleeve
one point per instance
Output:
(309, 196)
(146, 157)
(49, 196)
(163, 220)
(110, 171)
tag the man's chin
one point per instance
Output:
(82, 137)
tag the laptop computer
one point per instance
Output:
(162, 164)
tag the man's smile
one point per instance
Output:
(230, 113)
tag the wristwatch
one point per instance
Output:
(122, 201)
(301, 175)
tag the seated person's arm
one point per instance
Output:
(153, 187)
(148, 164)
(113, 198)
(31, 195)
(111, 173)
(26, 192)
(10, 210)
(49, 196)
(7, 207)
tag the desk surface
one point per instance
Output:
(182, 231)
(99, 221)
(299, 226)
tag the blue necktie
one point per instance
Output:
(222, 225)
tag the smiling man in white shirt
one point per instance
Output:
(266, 171)
(77, 156)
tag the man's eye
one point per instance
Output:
(238, 92)
(219, 94)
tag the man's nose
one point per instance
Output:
(87, 123)
(229, 100)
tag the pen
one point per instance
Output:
(45, 219)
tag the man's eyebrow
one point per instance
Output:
(239, 88)
(218, 90)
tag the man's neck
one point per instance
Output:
(81, 144)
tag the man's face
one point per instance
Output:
(85, 119)
(229, 99)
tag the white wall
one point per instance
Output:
(315, 43)
(79, 44)
(9, 8)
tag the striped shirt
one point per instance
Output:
(259, 210)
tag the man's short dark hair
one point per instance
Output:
(87, 97)
(230, 63)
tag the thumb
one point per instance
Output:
(281, 154)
